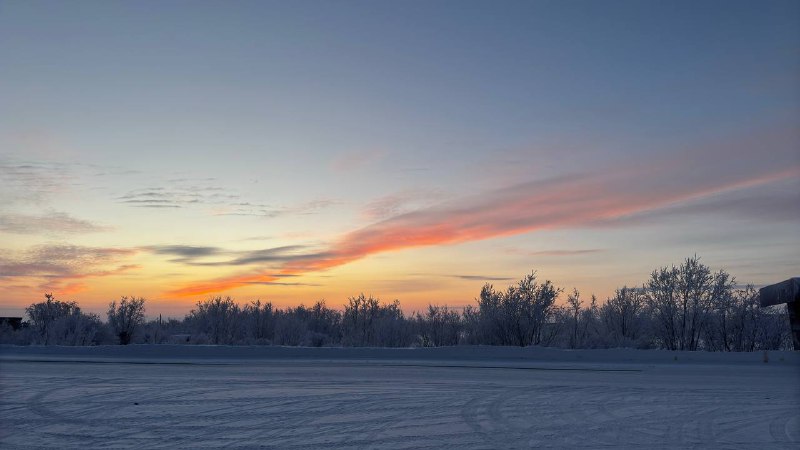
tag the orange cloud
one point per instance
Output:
(61, 269)
(559, 203)
(63, 285)
(222, 284)
(585, 199)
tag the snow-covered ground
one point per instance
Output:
(465, 397)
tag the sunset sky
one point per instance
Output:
(300, 150)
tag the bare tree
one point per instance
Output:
(126, 317)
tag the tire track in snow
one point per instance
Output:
(370, 407)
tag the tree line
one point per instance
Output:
(685, 307)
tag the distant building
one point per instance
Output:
(14, 322)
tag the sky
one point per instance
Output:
(306, 150)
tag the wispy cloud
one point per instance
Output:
(179, 193)
(30, 182)
(577, 200)
(481, 278)
(58, 260)
(53, 222)
(778, 201)
(260, 210)
(399, 203)
(62, 268)
(177, 196)
(71, 284)
(37, 182)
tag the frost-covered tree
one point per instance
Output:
(680, 299)
(590, 328)
(53, 322)
(490, 327)
(43, 316)
(290, 328)
(367, 322)
(622, 317)
(439, 326)
(687, 307)
(160, 330)
(473, 332)
(325, 320)
(518, 315)
(258, 320)
(324, 325)
(774, 332)
(217, 319)
(528, 307)
(738, 323)
(126, 317)
(79, 328)
(574, 302)
(727, 314)
(392, 328)
(360, 314)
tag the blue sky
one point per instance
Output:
(264, 125)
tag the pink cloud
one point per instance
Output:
(578, 200)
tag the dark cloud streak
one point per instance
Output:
(195, 255)
(481, 278)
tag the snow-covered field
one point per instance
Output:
(465, 397)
